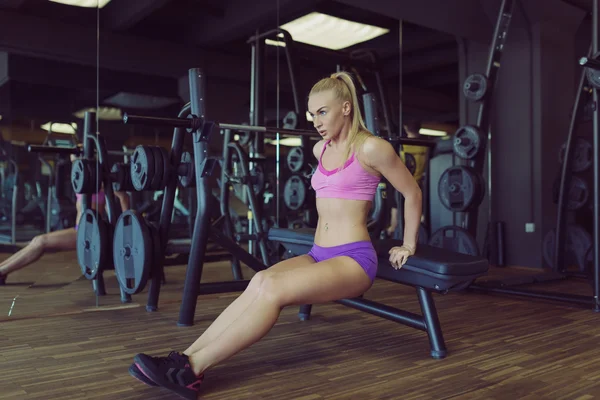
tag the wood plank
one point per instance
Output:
(58, 344)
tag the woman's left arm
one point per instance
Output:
(380, 155)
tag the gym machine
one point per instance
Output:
(575, 158)
(462, 187)
(430, 270)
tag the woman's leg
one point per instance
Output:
(64, 240)
(333, 279)
(239, 305)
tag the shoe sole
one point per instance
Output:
(139, 375)
(140, 362)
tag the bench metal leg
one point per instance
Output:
(304, 313)
(432, 324)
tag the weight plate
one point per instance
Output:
(142, 168)
(297, 224)
(290, 121)
(121, 178)
(83, 176)
(189, 178)
(166, 167)
(159, 167)
(577, 195)
(475, 87)
(296, 159)
(410, 162)
(294, 193)
(467, 142)
(593, 75)
(132, 252)
(582, 155)
(456, 239)
(461, 188)
(91, 244)
(577, 248)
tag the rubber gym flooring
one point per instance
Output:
(59, 343)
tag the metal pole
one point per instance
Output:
(201, 232)
(595, 33)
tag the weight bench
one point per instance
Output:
(431, 269)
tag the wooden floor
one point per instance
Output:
(60, 342)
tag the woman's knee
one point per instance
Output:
(268, 287)
(38, 242)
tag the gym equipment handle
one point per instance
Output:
(589, 63)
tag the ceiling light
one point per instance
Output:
(104, 113)
(272, 42)
(333, 33)
(57, 127)
(432, 132)
(288, 141)
(83, 3)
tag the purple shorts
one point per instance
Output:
(362, 252)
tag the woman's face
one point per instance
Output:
(329, 113)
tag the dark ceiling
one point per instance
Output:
(49, 52)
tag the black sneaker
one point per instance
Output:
(139, 375)
(172, 372)
(2, 279)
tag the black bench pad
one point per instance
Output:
(431, 267)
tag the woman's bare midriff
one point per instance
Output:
(341, 221)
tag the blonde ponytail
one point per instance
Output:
(345, 90)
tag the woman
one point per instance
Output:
(61, 240)
(342, 262)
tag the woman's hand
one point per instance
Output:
(399, 255)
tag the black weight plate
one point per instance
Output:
(467, 142)
(83, 176)
(297, 224)
(577, 248)
(460, 188)
(582, 155)
(132, 252)
(296, 159)
(91, 244)
(166, 167)
(189, 179)
(142, 168)
(475, 87)
(578, 194)
(294, 193)
(290, 121)
(593, 75)
(411, 163)
(456, 239)
(78, 176)
(159, 168)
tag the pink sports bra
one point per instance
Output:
(353, 182)
(98, 198)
